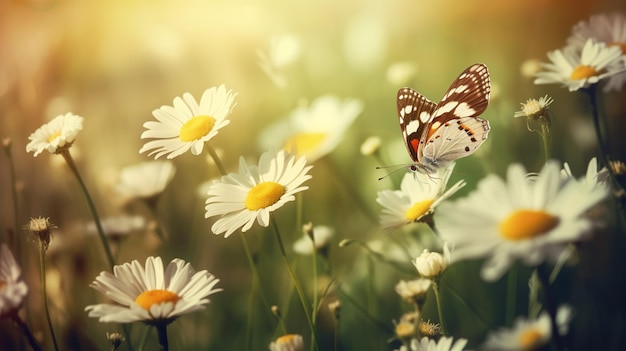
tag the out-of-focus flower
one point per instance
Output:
(418, 197)
(321, 234)
(284, 50)
(576, 70)
(530, 68)
(609, 29)
(431, 265)
(370, 146)
(527, 219)
(188, 124)
(240, 199)
(13, 289)
(145, 180)
(119, 226)
(414, 291)
(288, 342)
(442, 344)
(313, 131)
(401, 73)
(152, 294)
(527, 334)
(593, 177)
(55, 136)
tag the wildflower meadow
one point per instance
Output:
(269, 175)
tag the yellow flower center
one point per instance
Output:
(148, 298)
(620, 45)
(304, 143)
(196, 128)
(582, 72)
(530, 340)
(418, 210)
(263, 195)
(405, 330)
(531, 107)
(286, 339)
(54, 136)
(526, 224)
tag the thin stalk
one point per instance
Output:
(70, 162)
(545, 137)
(550, 305)
(511, 294)
(15, 239)
(315, 302)
(26, 331)
(442, 323)
(216, 159)
(296, 283)
(42, 269)
(162, 332)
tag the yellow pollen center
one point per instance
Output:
(418, 210)
(531, 108)
(54, 136)
(263, 195)
(530, 340)
(405, 330)
(304, 143)
(582, 72)
(286, 339)
(620, 45)
(526, 224)
(148, 298)
(196, 128)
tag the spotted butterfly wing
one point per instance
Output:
(437, 134)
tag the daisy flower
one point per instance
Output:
(576, 70)
(13, 289)
(188, 124)
(413, 291)
(322, 235)
(55, 136)
(313, 131)
(418, 196)
(288, 342)
(284, 50)
(527, 334)
(240, 199)
(145, 180)
(443, 344)
(535, 109)
(152, 294)
(431, 265)
(593, 177)
(522, 218)
(609, 29)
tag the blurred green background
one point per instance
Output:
(113, 62)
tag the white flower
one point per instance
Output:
(118, 226)
(188, 124)
(534, 108)
(146, 179)
(413, 291)
(418, 196)
(609, 29)
(431, 265)
(152, 294)
(322, 235)
(401, 73)
(240, 199)
(527, 334)
(522, 218)
(13, 289)
(284, 50)
(313, 131)
(370, 146)
(56, 135)
(577, 70)
(593, 178)
(444, 344)
(288, 342)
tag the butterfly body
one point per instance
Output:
(437, 134)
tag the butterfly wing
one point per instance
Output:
(414, 112)
(455, 130)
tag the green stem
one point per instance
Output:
(545, 137)
(216, 159)
(550, 305)
(70, 162)
(14, 239)
(442, 322)
(26, 331)
(256, 281)
(511, 294)
(601, 143)
(162, 332)
(296, 283)
(315, 302)
(42, 268)
(379, 324)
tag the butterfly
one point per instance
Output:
(435, 135)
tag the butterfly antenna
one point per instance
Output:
(390, 173)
